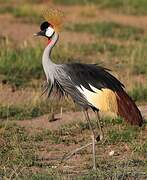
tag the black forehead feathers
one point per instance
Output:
(44, 25)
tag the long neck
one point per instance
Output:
(48, 65)
(48, 49)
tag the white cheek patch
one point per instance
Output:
(49, 32)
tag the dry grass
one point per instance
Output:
(38, 153)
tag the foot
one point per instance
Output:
(99, 137)
(53, 118)
(70, 154)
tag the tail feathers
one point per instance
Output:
(128, 109)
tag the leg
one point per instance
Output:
(61, 112)
(67, 156)
(93, 152)
(89, 122)
(99, 126)
(54, 117)
(93, 139)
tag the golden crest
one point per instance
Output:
(54, 17)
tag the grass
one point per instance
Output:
(131, 57)
(117, 170)
(25, 12)
(16, 151)
(139, 93)
(4, 1)
(6, 9)
(108, 29)
(28, 13)
(20, 65)
(35, 107)
(140, 148)
(25, 62)
(138, 58)
(33, 1)
(136, 7)
(74, 2)
(20, 152)
(64, 135)
(125, 135)
(19, 113)
(99, 47)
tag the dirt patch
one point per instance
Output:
(42, 122)
(16, 30)
(73, 37)
(10, 97)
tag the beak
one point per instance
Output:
(40, 33)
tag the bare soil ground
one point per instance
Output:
(42, 122)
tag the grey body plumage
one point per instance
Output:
(58, 78)
(68, 78)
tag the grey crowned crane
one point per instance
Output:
(89, 85)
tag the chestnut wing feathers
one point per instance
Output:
(112, 97)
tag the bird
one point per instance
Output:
(89, 85)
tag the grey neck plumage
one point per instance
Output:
(48, 65)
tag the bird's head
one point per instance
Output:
(46, 30)
(52, 25)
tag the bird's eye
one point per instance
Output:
(49, 32)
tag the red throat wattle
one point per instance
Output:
(49, 40)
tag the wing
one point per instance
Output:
(91, 74)
(103, 91)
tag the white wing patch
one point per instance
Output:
(89, 94)
(93, 88)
